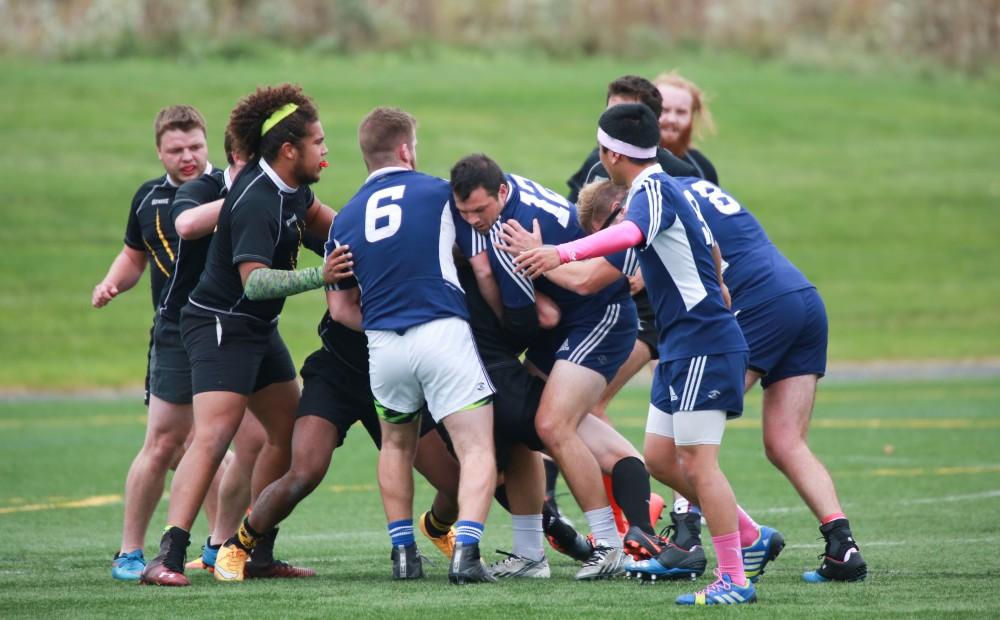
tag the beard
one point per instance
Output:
(678, 146)
(304, 175)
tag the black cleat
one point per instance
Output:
(467, 567)
(641, 545)
(407, 562)
(167, 568)
(672, 562)
(566, 540)
(842, 559)
(263, 565)
(686, 528)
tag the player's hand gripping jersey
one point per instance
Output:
(676, 261)
(528, 201)
(756, 271)
(401, 231)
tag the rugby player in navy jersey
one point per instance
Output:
(703, 356)
(229, 326)
(579, 356)
(400, 230)
(182, 148)
(784, 322)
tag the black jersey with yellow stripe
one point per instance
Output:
(151, 230)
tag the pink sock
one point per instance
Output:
(832, 517)
(727, 550)
(749, 530)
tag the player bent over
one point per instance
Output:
(400, 231)
(699, 380)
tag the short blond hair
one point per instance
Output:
(382, 130)
(593, 205)
(701, 116)
(183, 117)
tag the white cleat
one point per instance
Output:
(516, 566)
(604, 562)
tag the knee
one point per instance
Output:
(164, 449)
(661, 468)
(303, 480)
(550, 429)
(780, 450)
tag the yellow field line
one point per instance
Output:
(87, 502)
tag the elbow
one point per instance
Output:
(185, 229)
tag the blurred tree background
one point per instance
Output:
(960, 34)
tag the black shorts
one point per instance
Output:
(169, 369)
(515, 404)
(233, 353)
(648, 335)
(338, 393)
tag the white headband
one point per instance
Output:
(624, 148)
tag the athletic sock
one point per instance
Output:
(551, 475)
(401, 532)
(468, 532)
(246, 537)
(682, 505)
(528, 536)
(436, 527)
(602, 526)
(730, 557)
(832, 517)
(630, 486)
(749, 530)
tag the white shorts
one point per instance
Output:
(436, 363)
(687, 428)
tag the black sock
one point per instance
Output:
(246, 537)
(839, 538)
(501, 496)
(551, 475)
(436, 526)
(630, 485)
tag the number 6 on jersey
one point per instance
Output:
(374, 212)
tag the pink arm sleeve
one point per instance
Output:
(608, 241)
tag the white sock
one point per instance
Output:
(681, 505)
(602, 526)
(528, 536)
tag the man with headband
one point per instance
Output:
(703, 357)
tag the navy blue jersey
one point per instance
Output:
(756, 271)
(191, 253)
(679, 271)
(400, 230)
(558, 223)
(263, 220)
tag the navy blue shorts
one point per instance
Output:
(787, 336)
(704, 383)
(601, 345)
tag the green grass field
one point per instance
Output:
(916, 465)
(881, 186)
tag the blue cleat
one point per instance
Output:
(767, 547)
(722, 592)
(206, 561)
(128, 566)
(671, 563)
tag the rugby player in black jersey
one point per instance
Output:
(229, 326)
(182, 148)
(684, 113)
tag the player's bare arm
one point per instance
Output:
(345, 307)
(319, 218)
(487, 284)
(198, 222)
(717, 259)
(123, 274)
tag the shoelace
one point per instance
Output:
(719, 585)
(598, 555)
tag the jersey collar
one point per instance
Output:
(227, 177)
(386, 170)
(271, 174)
(645, 174)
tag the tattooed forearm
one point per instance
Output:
(277, 283)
